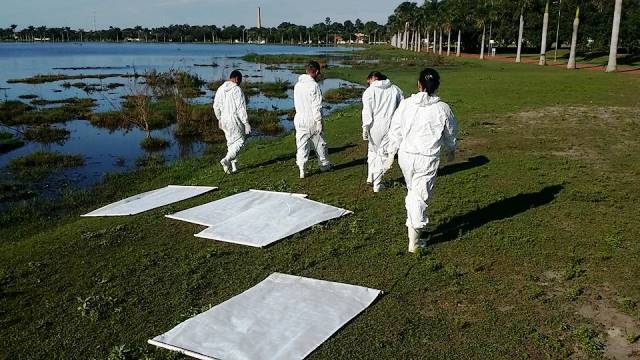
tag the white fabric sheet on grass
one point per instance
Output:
(150, 200)
(258, 218)
(283, 317)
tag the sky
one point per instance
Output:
(150, 13)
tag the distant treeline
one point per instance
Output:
(326, 32)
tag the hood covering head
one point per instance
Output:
(383, 84)
(423, 99)
(228, 86)
(306, 78)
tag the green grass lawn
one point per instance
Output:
(536, 220)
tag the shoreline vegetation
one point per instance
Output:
(533, 232)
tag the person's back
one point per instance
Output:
(230, 108)
(419, 128)
(307, 99)
(382, 98)
(426, 123)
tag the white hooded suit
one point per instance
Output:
(379, 102)
(307, 98)
(230, 108)
(421, 125)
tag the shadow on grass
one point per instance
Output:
(499, 210)
(472, 162)
(352, 163)
(292, 155)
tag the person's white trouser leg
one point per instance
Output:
(371, 157)
(234, 166)
(420, 175)
(320, 147)
(235, 143)
(414, 237)
(302, 148)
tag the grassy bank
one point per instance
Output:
(532, 226)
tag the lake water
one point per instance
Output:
(116, 151)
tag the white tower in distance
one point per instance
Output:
(259, 19)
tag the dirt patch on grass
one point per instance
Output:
(623, 330)
(575, 132)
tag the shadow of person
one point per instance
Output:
(291, 156)
(450, 169)
(499, 210)
(471, 163)
(356, 162)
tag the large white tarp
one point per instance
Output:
(283, 317)
(258, 218)
(150, 200)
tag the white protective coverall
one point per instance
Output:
(307, 98)
(230, 108)
(379, 102)
(421, 125)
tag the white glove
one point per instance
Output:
(388, 162)
(247, 129)
(365, 134)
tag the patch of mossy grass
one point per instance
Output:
(9, 142)
(39, 164)
(46, 78)
(47, 134)
(27, 115)
(285, 59)
(264, 121)
(149, 161)
(549, 191)
(28, 96)
(342, 94)
(151, 143)
(277, 89)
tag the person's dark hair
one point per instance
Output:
(313, 65)
(378, 75)
(235, 74)
(429, 80)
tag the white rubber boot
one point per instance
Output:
(301, 172)
(377, 185)
(234, 166)
(225, 166)
(414, 237)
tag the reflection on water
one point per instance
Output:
(116, 151)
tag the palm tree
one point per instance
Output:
(615, 31)
(574, 41)
(520, 32)
(543, 45)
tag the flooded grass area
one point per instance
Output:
(116, 105)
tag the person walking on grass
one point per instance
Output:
(420, 127)
(379, 102)
(309, 125)
(230, 108)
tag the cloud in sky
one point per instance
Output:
(124, 13)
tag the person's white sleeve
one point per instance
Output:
(217, 106)
(317, 103)
(241, 107)
(450, 133)
(395, 132)
(367, 109)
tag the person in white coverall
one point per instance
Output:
(308, 122)
(420, 127)
(230, 108)
(379, 102)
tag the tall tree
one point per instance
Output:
(615, 32)
(545, 27)
(574, 40)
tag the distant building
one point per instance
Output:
(259, 19)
